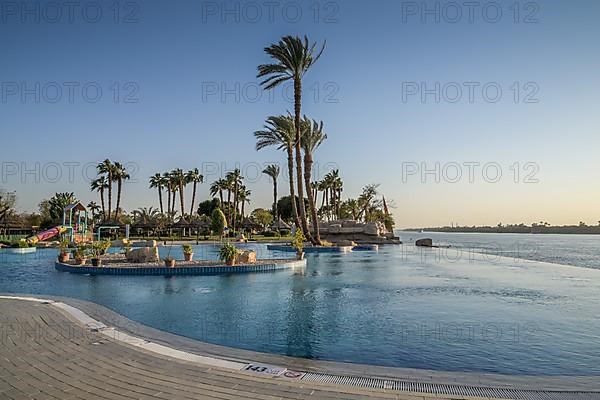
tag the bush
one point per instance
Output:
(284, 232)
(269, 234)
(21, 244)
(228, 252)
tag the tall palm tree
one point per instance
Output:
(120, 174)
(218, 186)
(180, 182)
(244, 197)
(106, 167)
(194, 177)
(312, 137)
(273, 172)
(293, 58)
(279, 132)
(94, 208)
(167, 183)
(99, 185)
(235, 179)
(157, 181)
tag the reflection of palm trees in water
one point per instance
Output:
(307, 331)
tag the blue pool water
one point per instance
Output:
(445, 309)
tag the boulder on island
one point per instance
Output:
(143, 255)
(424, 242)
(247, 257)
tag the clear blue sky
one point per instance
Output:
(177, 53)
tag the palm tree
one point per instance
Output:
(279, 132)
(94, 208)
(235, 179)
(157, 181)
(106, 167)
(144, 216)
(120, 174)
(293, 58)
(168, 185)
(218, 186)
(273, 172)
(194, 176)
(180, 182)
(99, 185)
(312, 137)
(244, 197)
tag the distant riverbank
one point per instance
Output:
(539, 229)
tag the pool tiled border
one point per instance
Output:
(180, 271)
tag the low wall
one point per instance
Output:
(164, 271)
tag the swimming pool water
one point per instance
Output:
(397, 307)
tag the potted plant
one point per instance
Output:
(298, 243)
(97, 250)
(169, 262)
(63, 255)
(80, 254)
(104, 246)
(188, 252)
(228, 253)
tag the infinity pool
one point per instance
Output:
(433, 309)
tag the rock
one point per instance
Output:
(119, 243)
(144, 243)
(424, 242)
(344, 243)
(335, 228)
(143, 255)
(371, 229)
(247, 257)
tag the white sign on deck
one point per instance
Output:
(264, 369)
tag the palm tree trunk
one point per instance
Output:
(275, 198)
(193, 199)
(119, 187)
(181, 202)
(109, 196)
(308, 161)
(228, 207)
(102, 203)
(290, 152)
(235, 204)
(160, 201)
(221, 197)
(299, 178)
(168, 200)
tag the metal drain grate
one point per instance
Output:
(446, 389)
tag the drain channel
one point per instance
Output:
(447, 389)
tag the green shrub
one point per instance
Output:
(228, 252)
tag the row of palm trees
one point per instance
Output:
(232, 185)
(292, 58)
(175, 182)
(331, 187)
(109, 173)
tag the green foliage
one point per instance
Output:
(21, 244)
(284, 207)
(187, 249)
(51, 210)
(208, 206)
(218, 222)
(81, 251)
(298, 240)
(228, 252)
(262, 217)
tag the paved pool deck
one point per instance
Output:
(73, 349)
